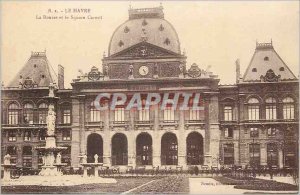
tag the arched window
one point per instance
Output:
(28, 113)
(253, 109)
(13, 114)
(271, 108)
(43, 109)
(288, 108)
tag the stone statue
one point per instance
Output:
(51, 159)
(84, 160)
(155, 72)
(181, 68)
(43, 159)
(131, 71)
(51, 90)
(7, 159)
(51, 120)
(105, 70)
(58, 158)
(96, 158)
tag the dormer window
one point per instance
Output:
(167, 41)
(126, 29)
(281, 69)
(121, 43)
(254, 70)
(161, 28)
(266, 58)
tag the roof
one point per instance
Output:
(267, 65)
(144, 25)
(37, 70)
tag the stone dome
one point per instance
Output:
(145, 25)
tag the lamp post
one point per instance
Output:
(252, 134)
(271, 173)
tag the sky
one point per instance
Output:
(213, 33)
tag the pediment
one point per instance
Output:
(144, 50)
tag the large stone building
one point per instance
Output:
(254, 122)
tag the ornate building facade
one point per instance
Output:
(254, 122)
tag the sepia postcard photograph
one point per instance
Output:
(149, 97)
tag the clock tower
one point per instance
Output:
(144, 47)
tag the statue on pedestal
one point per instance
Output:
(51, 120)
(96, 158)
(58, 158)
(130, 72)
(105, 71)
(84, 160)
(51, 90)
(7, 159)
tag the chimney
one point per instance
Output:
(237, 70)
(61, 77)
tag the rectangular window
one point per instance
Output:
(229, 132)
(253, 112)
(12, 150)
(272, 131)
(271, 112)
(12, 136)
(272, 154)
(169, 114)
(290, 154)
(228, 154)
(144, 115)
(119, 115)
(95, 115)
(13, 117)
(42, 135)
(28, 116)
(288, 111)
(254, 132)
(42, 116)
(196, 115)
(27, 135)
(66, 135)
(66, 116)
(254, 152)
(27, 162)
(228, 113)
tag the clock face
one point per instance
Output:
(144, 70)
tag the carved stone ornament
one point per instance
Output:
(28, 83)
(194, 71)
(94, 74)
(270, 76)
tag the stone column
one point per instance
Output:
(280, 157)
(214, 130)
(82, 124)
(181, 141)
(263, 154)
(156, 138)
(131, 139)
(75, 148)
(106, 139)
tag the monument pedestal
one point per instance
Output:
(50, 171)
